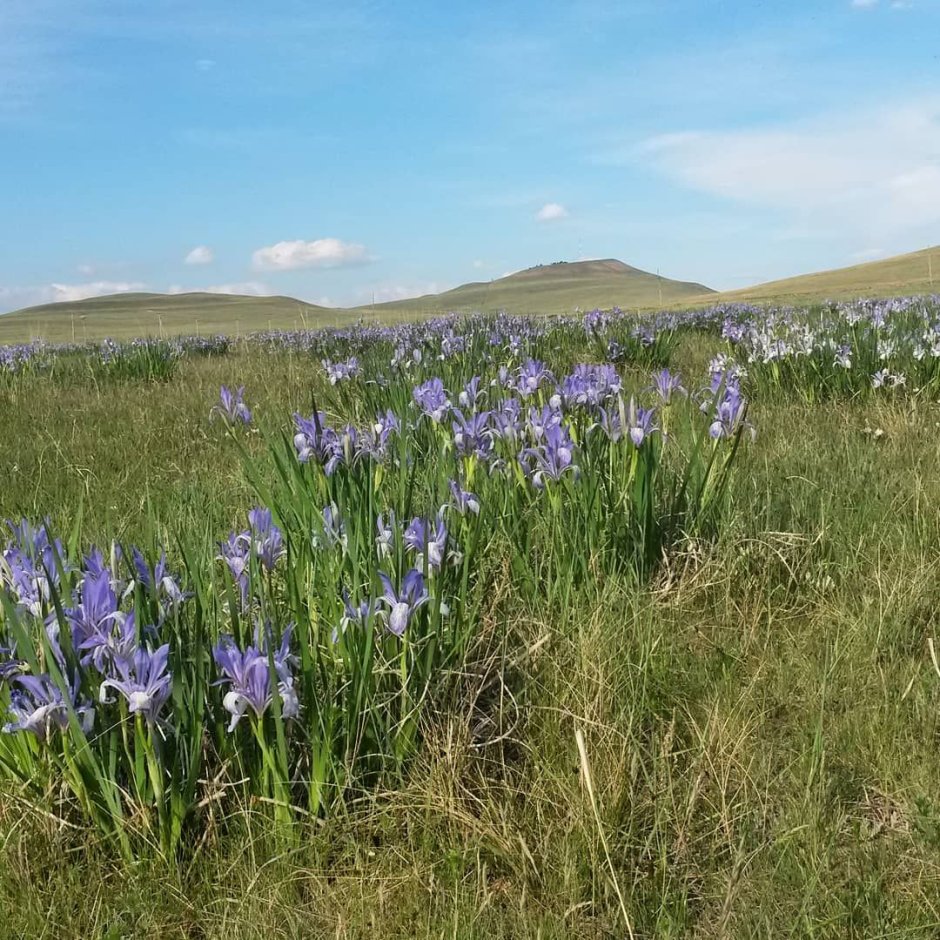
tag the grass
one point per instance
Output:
(760, 721)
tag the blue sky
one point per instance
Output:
(339, 151)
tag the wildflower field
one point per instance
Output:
(594, 626)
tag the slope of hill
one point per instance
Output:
(915, 273)
(123, 316)
(556, 288)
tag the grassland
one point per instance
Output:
(761, 720)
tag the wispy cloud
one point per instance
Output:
(201, 254)
(871, 172)
(320, 253)
(249, 288)
(381, 293)
(16, 297)
(551, 212)
(864, 4)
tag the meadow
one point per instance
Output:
(595, 626)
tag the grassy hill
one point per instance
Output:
(915, 273)
(129, 315)
(556, 288)
(552, 288)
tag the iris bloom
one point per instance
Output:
(316, 441)
(640, 423)
(552, 459)
(419, 538)
(248, 677)
(402, 604)
(37, 705)
(431, 398)
(232, 406)
(144, 681)
(463, 501)
(666, 385)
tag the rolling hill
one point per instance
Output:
(123, 316)
(917, 272)
(552, 288)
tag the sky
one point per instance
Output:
(342, 153)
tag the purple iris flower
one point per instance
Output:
(432, 399)
(30, 565)
(471, 394)
(729, 413)
(266, 538)
(338, 371)
(353, 615)
(420, 538)
(316, 441)
(10, 666)
(402, 604)
(506, 420)
(463, 501)
(248, 676)
(232, 406)
(111, 641)
(666, 385)
(590, 385)
(376, 440)
(541, 420)
(37, 705)
(532, 374)
(472, 435)
(157, 581)
(144, 681)
(640, 422)
(551, 459)
(334, 528)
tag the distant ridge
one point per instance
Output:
(550, 288)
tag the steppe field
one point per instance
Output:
(591, 626)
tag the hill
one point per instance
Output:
(124, 316)
(551, 288)
(555, 288)
(915, 273)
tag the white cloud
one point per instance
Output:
(863, 174)
(479, 264)
(551, 212)
(385, 292)
(320, 253)
(864, 4)
(86, 270)
(205, 65)
(58, 293)
(201, 254)
(867, 254)
(252, 288)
